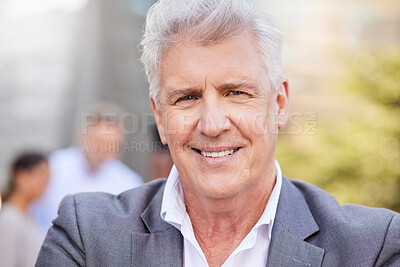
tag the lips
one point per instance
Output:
(216, 154)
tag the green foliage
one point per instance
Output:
(355, 153)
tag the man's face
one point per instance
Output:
(33, 182)
(102, 141)
(218, 115)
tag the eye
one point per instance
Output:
(186, 98)
(236, 93)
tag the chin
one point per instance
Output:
(222, 189)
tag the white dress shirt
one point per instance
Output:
(70, 174)
(252, 251)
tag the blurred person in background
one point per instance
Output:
(92, 165)
(20, 236)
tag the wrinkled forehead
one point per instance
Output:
(236, 57)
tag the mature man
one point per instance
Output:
(218, 96)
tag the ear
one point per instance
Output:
(282, 101)
(158, 117)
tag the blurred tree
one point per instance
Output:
(355, 153)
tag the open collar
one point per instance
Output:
(293, 224)
(173, 208)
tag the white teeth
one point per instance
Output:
(217, 154)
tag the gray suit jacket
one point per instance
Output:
(310, 229)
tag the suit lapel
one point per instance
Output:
(162, 245)
(287, 249)
(157, 249)
(294, 223)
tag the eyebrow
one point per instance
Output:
(180, 92)
(232, 86)
(227, 86)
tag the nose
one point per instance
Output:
(213, 118)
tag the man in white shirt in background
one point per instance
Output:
(92, 165)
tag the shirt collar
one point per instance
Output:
(173, 208)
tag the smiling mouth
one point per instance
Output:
(211, 154)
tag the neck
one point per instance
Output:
(94, 164)
(18, 201)
(229, 213)
(222, 224)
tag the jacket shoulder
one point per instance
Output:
(350, 232)
(95, 229)
(128, 204)
(326, 208)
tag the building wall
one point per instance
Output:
(56, 60)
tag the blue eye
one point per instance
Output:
(236, 93)
(186, 98)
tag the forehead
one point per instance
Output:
(233, 58)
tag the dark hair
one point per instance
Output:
(24, 162)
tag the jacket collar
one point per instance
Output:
(163, 244)
(151, 215)
(294, 223)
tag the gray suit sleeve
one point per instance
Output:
(390, 252)
(63, 245)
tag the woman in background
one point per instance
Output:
(20, 237)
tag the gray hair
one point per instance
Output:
(205, 22)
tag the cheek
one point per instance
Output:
(178, 124)
(265, 122)
(251, 123)
(43, 184)
(31, 186)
